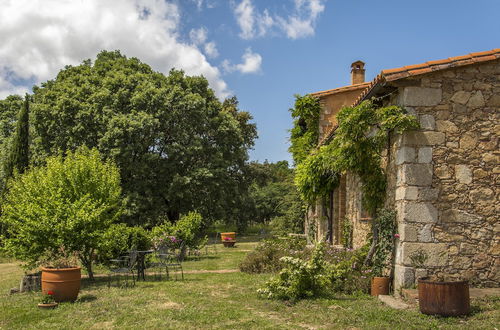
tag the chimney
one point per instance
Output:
(357, 72)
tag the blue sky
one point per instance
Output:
(262, 51)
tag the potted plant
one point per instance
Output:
(439, 296)
(228, 239)
(61, 275)
(48, 300)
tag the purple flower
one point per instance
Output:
(397, 235)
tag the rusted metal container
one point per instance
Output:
(380, 286)
(443, 298)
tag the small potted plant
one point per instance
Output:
(47, 300)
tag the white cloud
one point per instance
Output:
(211, 49)
(198, 36)
(40, 37)
(251, 63)
(245, 16)
(299, 24)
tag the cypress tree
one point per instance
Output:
(18, 159)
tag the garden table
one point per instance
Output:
(141, 263)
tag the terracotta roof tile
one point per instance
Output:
(341, 89)
(411, 70)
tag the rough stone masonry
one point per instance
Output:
(447, 177)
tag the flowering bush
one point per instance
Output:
(299, 278)
(48, 298)
(166, 241)
(305, 272)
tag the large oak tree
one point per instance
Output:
(177, 146)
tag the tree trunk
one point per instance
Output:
(87, 264)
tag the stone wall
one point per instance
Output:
(447, 186)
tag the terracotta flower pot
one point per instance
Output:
(64, 282)
(380, 286)
(48, 306)
(443, 298)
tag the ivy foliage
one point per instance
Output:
(356, 147)
(304, 134)
(386, 229)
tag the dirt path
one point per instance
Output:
(216, 271)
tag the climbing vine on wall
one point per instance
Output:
(356, 147)
(304, 134)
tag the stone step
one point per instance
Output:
(393, 302)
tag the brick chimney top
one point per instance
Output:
(357, 72)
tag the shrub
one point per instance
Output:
(299, 279)
(266, 256)
(187, 229)
(345, 270)
(304, 272)
(69, 204)
(119, 239)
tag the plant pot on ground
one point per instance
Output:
(445, 298)
(380, 285)
(47, 301)
(228, 239)
(60, 276)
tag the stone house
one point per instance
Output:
(443, 180)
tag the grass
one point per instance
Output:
(215, 300)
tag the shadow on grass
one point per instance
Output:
(86, 298)
(101, 282)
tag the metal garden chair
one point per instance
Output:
(124, 265)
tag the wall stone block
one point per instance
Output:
(424, 155)
(461, 97)
(463, 174)
(405, 155)
(437, 253)
(428, 194)
(456, 215)
(415, 174)
(421, 96)
(427, 122)
(425, 234)
(469, 141)
(407, 232)
(423, 138)
(419, 212)
(482, 195)
(404, 277)
(446, 126)
(407, 193)
(476, 100)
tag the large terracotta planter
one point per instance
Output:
(443, 298)
(225, 236)
(380, 286)
(64, 282)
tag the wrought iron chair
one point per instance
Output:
(124, 265)
(170, 261)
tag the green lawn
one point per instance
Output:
(215, 300)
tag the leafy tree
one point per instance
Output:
(19, 153)
(273, 198)
(9, 110)
(68, 203)
(178, 147)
